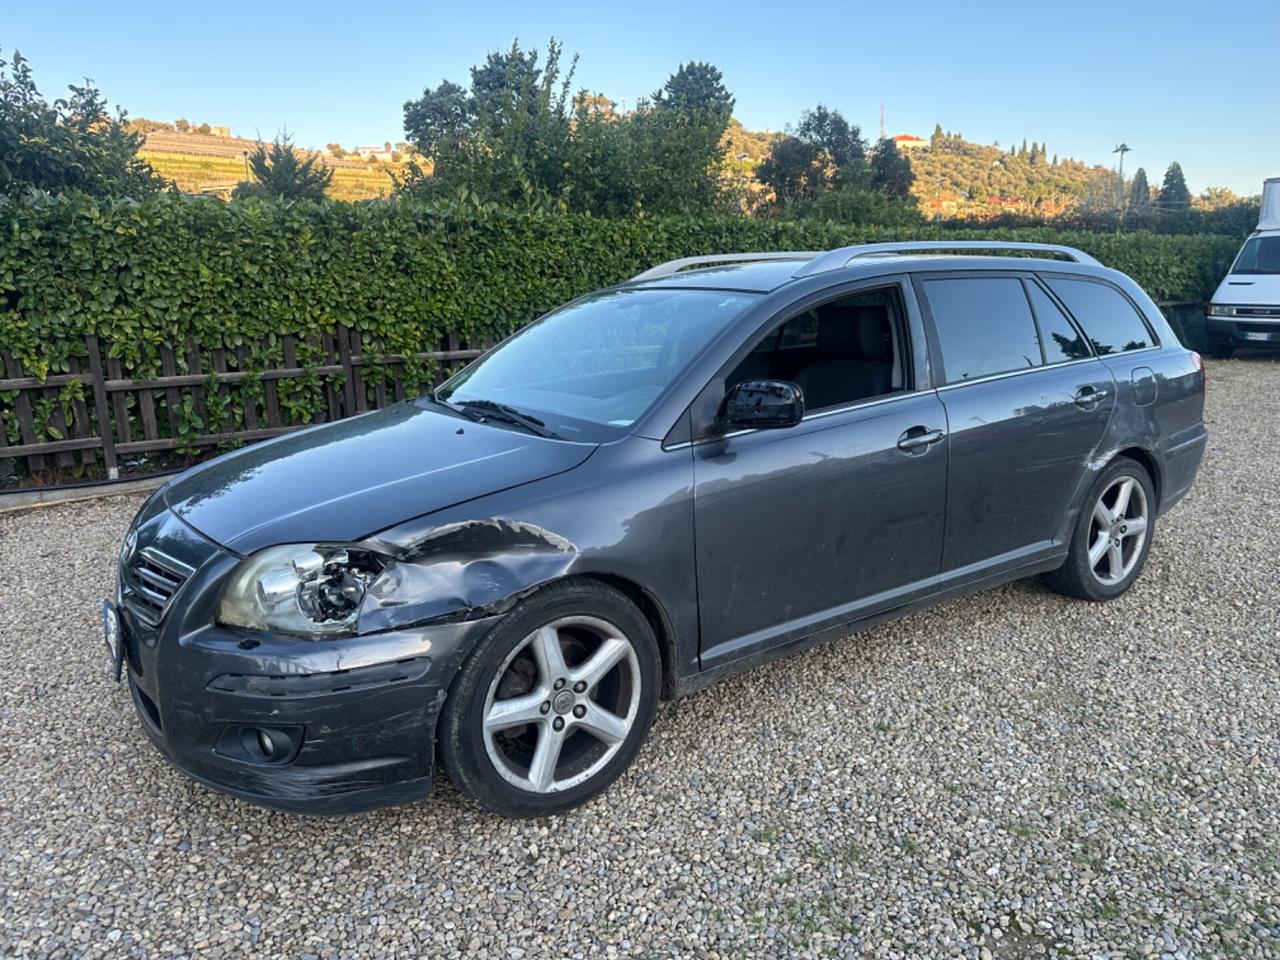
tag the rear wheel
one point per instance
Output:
(554, 703)
(1112, 537)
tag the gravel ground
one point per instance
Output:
(1009, 775)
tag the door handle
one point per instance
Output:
(1088, 396)
(918, 438)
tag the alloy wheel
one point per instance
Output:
(1118, 530)
(561, 704)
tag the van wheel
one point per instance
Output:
(1112, 536)
(554, 703)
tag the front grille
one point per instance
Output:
(1260, 312)
(151, 580)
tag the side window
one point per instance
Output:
(984, 326)
(838, 352)
(1106, 315)
(1061, 341)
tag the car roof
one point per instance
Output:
(754, 277)
(767, 276)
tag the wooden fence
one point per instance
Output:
(106, 417)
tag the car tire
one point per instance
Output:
(525, 734)
(1221, 351)
(1107, 553)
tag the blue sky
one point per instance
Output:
(1189, 82)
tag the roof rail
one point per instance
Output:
(672, 267)
(835, 259)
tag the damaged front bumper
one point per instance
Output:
(324, 727)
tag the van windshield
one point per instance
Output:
(1259, 255)
(589, 370)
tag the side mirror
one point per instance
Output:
(762, 404)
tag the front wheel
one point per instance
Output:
(554, 703)
(1112, 536)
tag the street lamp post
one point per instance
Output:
(1122, 149)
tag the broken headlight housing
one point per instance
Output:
(306, 589)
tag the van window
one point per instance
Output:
(984, 326)
(1108, 318)
(1258, 255)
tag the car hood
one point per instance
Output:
(345, 480)
(1249, 289)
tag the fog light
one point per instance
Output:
(266, 745)
(277, 744)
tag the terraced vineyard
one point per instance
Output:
(202, 164)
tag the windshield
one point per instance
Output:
(589, 370)
(1259, 255)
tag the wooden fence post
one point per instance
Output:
(104, 414)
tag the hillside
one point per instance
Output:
(957, 178)
(954, 177)
(201, 163)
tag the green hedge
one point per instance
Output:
(153, 272)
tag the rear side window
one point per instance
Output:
(1061, 341)
(1108, 318)
(984, 326)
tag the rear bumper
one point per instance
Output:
(1181, 464)
(1243, 332)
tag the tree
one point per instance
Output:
(696, 88)
(502, 140)
(144, 126)
(336, 150)
(280, 174)
(1139, 192)
(826, 152)
(935, 141)
(184, 126)
(440, 121)
(791, 170)
(1217, 198)
(891, 171)
(516, 137)
(1173, 192)
(70, 144)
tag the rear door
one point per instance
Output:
(1027, 404)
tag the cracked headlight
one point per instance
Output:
(306, 589)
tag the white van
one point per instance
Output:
(1245, 310)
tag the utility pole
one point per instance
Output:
(1122, 149)
(882, 121)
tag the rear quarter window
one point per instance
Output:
(1109, 320)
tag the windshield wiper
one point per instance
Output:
(501, 411)
(471, 415)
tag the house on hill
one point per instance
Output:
(905, 141)
(380, 153)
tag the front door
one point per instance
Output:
(834, 518)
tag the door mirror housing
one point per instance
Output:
(762, 405)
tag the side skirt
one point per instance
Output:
(691, 684)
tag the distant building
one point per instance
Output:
(220, 132)
(905, 141)
(380, 153)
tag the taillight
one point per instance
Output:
(1199, 362)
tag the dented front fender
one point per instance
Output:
(464, 570)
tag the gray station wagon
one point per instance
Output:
(655, 486)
